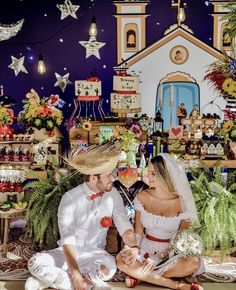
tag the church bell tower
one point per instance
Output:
(130, 26)
(221, 40)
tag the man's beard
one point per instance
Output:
(102, 187)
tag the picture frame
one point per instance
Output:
(179, 54)
(176, 132)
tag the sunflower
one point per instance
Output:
(228, 125)
(87, 125)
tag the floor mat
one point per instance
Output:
(14, 266)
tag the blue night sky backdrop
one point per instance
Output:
(63, 53)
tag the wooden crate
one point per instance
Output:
(92, 136)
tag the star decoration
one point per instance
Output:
(62, 81)
(92, 46)
(18, 65)
(68, 9)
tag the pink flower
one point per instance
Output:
(54, 100)
(136, 129)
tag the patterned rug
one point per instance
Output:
(14, 266)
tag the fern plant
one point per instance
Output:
(41, 214)
(216, 204)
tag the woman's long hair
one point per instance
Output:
(162, 173)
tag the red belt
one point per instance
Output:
(157, 239)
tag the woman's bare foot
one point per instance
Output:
(191, 280)
(185, 286)
(131, 282)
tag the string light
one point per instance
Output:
(93, 27)
(41, 65)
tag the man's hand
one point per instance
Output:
(147, 266)
(129, 255)
(79, 282)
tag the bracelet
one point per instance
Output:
(136, 246)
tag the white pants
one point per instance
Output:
(51, 268)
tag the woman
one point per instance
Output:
(161, 211)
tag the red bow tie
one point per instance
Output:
(95, 195)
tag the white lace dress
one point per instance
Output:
(163, 228)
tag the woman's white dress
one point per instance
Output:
(163, 228)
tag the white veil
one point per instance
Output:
(181, 185)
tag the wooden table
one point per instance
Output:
(5, 217)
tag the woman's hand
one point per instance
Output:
(130, 255)
(148, 266)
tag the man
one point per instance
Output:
(181, 113)
(84, 216)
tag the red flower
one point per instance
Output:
(106, 221)
(93, 79)
(45, 111)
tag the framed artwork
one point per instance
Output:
(179, 54)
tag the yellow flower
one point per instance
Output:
(227, 85)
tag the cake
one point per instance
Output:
(88, 90)
(125, 99)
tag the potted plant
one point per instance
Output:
(216, 204)
(41, 214)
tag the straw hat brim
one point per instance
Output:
(97, 159)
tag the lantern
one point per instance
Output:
(158, 122)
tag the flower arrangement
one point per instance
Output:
(126, 140)
(79, 122)
(6, 116)
(222, 76)
(41, 112)
(143, 124)
(228, 130)
(187, 243)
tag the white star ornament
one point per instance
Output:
(62, 81)
(17, 65)
(68, 9)
(92, 46)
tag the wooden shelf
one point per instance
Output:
(16, 162)
(212, 163)
(223, 163)
(16, 142)
(35, 174)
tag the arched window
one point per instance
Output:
(172, 95)
(131, 37)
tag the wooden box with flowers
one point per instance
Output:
(85, 131)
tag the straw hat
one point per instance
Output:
(96, 159)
